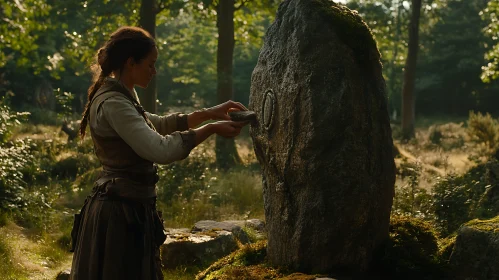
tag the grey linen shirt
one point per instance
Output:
(117, 116)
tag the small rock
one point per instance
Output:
(241, 116)
(173, 231)
(209, 225)
(63, 275)
(256, 224)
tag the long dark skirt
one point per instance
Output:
(116, 241)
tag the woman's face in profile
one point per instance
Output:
(144, 71)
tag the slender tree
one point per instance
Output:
(148, 11)
(410, 72)
(226, 151)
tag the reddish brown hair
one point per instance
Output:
(124, 43)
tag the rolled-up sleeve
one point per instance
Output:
(147, 143)
(169, 123)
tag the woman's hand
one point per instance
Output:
(220, 111)
(228, 129)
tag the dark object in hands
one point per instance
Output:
(242, 116)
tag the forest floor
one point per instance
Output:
(35, 257)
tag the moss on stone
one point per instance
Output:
(445, 247)
(411, 252)
(248, 255)
(249, 263)
(298, 276)
(491, 225)
(351, 29)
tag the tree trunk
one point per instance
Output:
(410, 73)
(393, 74)
(148, 22)
(226, 151)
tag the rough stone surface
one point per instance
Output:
(323, 138)
(476, 251)
(256, 224)
(209, 225)
(63, 275)
(239, 116)
(183, 248)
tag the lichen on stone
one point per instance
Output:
(351, 28)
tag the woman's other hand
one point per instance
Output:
(228, 129)
(220, 111)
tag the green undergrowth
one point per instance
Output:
(249, 263)
(412, 251)
(242, 263)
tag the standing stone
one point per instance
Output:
(323, 138)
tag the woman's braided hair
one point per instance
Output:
(124, 43)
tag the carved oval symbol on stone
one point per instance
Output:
(268, 109)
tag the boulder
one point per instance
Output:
(183, 248)
(476, 251)
(323, 138)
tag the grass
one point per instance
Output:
(182, 273)
(7, 269)
(24, 255)
(424, 122)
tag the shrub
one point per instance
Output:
(73, 165)
(410, 199)
(411, 252)
(458, 199)
(435, 134)
(14, 157)
(483, 128)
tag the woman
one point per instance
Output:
(118, 231)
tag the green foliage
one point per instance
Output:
(182, 179)
(411, 252)
(20, 32)
(64, 102)
(449, 64)
(490, 14)
(483, 128)
(9, 119)
(456, 199)
(409, 198)
(15, 156)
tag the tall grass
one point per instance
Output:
(7, 269)
(236, 194)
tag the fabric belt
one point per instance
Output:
(111, 186)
